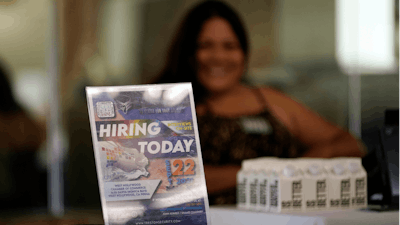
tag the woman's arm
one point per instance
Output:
(324, 139)
(343, 144)
(219, 178)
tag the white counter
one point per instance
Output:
(232, 216)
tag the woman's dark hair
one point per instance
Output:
(181, 60)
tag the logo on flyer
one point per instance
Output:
(124, 103)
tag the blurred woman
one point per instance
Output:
(237, 121)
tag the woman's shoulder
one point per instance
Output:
(287, 108)
(281, 105)
(275, 97)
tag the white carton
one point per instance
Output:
(289, 179)
(254, 186)
(338, 184)
(263, 175)
(274, 187)
(358, 183)
(263, 190)
(315, 189)
(243, 185)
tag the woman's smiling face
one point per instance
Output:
(220, 58)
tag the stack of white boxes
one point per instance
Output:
(291, 185)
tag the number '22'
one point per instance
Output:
(181, 167)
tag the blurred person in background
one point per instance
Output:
(22, 183)
(237, 121)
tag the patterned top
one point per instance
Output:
(229, 141)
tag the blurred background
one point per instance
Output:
(52, 49)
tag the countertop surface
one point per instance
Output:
(219, 215)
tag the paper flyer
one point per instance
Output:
(147, 152)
